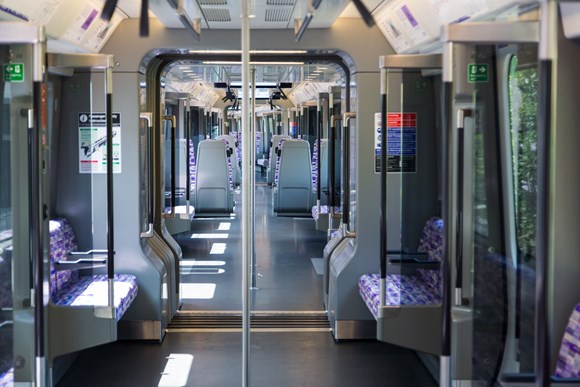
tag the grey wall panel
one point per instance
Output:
(74, 191)
(420, 189)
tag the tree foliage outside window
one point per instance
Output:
(523, 90)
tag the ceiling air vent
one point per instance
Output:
(280, 2)
(278, 14)
(217, 15)
(212, 2)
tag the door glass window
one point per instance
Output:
(523, 97)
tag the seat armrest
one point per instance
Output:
(90, 252)
(415, 260)
(83, 263)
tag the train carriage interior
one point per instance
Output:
(289, 192)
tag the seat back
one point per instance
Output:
(323, 154)
(233, 159)
(431, 240)
(62, 242)
(192, 166)
(568, 365)
(213, 189)
(275, 144)
(294, 187)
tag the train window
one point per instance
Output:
(523, 89)
(523, 97)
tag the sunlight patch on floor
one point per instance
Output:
(218, 248)
(197, 291)
(176, 370)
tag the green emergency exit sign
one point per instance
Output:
(477, 73)
(14, 72)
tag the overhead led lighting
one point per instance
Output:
(225, 63)
(251, 51)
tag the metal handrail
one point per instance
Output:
(331, 166)
(462, 114)
(150, 229)
(173, 121)
(346, 168)
(383, 206)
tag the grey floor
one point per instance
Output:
(277, 359)
(287, 282)
(286, 278)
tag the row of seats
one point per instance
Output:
(71, 288)
(67, 288)
(424, 288)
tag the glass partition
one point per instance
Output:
(496, 102)
(414, 220)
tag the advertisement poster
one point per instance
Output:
(93, 143)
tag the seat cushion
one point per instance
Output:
(414, 291)
(7, 378)
(94, 290)
(568, 365)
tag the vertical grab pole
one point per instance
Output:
(247, 240)
(36, 214)
(110, 203)
(253, 178)
(461, 115)
(318, 173)
(346, 168)
(383, 207)
(547, 53)
(188, 145)
(331, 171)
(447, 148)
(331, 155)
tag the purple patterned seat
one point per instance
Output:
(421, 289)
(93, 291)
(413, 291)
(7, 378)
(6, 354)
(323, 210)
(568, 365)
(67, 288)
(192, 166)
(277, 170)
